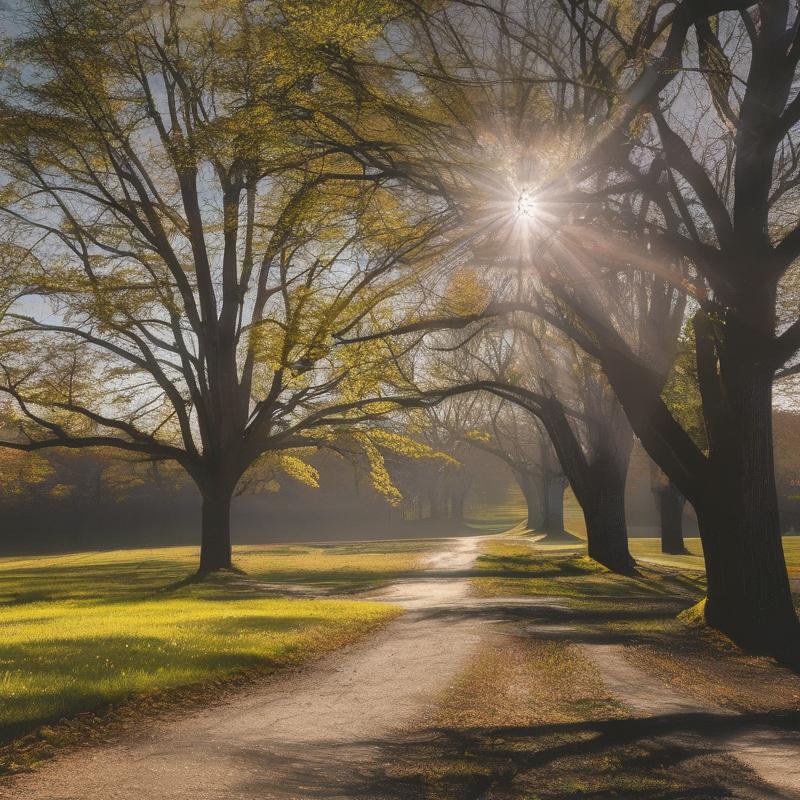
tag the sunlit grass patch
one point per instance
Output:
(347, 566)
(695, 615)
(521, 555)
(83, 631)
(130, 574)
(649, 548)
(643, 607)
(58, 658)
(535, 573)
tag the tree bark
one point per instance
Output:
(604, 511)
(553, 521)
(215, 544)
(598, 481)
(670, 508)
(749, 596)
(733, 489)
(531, 488)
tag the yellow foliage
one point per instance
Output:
(19, 471)
(406, 446)
(298, 469)
(379, 475)
(466, 293)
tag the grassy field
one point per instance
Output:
(643, 611)
(82, 631)
(649, 549)
(535, 572)
(498, 516)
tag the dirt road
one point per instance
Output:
(327, 732)
(772, 754)
(310, 735)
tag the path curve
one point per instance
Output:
(315, 734)
(324, 732)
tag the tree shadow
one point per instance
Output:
(664, 757)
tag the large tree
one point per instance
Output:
(518, 438)
(562, 390)
(717, 186)
(664, 142)
(187, 246)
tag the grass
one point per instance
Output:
(124, 574)
(656, 614)
(530, 717)
(649, 548)
(513, 510)
(572, 575)
(341, 567)
(532, 720)
(498, 516)
(84, 631)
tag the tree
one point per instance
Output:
(720, 191)
(678, 123)
(447, 481)
(670, 504)
(787, 465)
(546, 376)
(590, 436)
(518, 438)
(530, 105)
(189, 245)
(681, 395)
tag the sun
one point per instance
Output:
(526, 205)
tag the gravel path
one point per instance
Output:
(316, 734)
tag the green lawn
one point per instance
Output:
(649, 549)
(82, 631)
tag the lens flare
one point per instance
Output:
(526, 205)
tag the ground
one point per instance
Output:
(519, 670)
(81, 631)
(649, 549)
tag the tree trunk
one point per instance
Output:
(670, 508)
(748, 596)
(531, 489)
(535, 517)
(733, 489)
(215, 546)
(606, 530)
(457, 506)
(553, 521)
(599, 482)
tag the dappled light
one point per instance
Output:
(399, 399)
